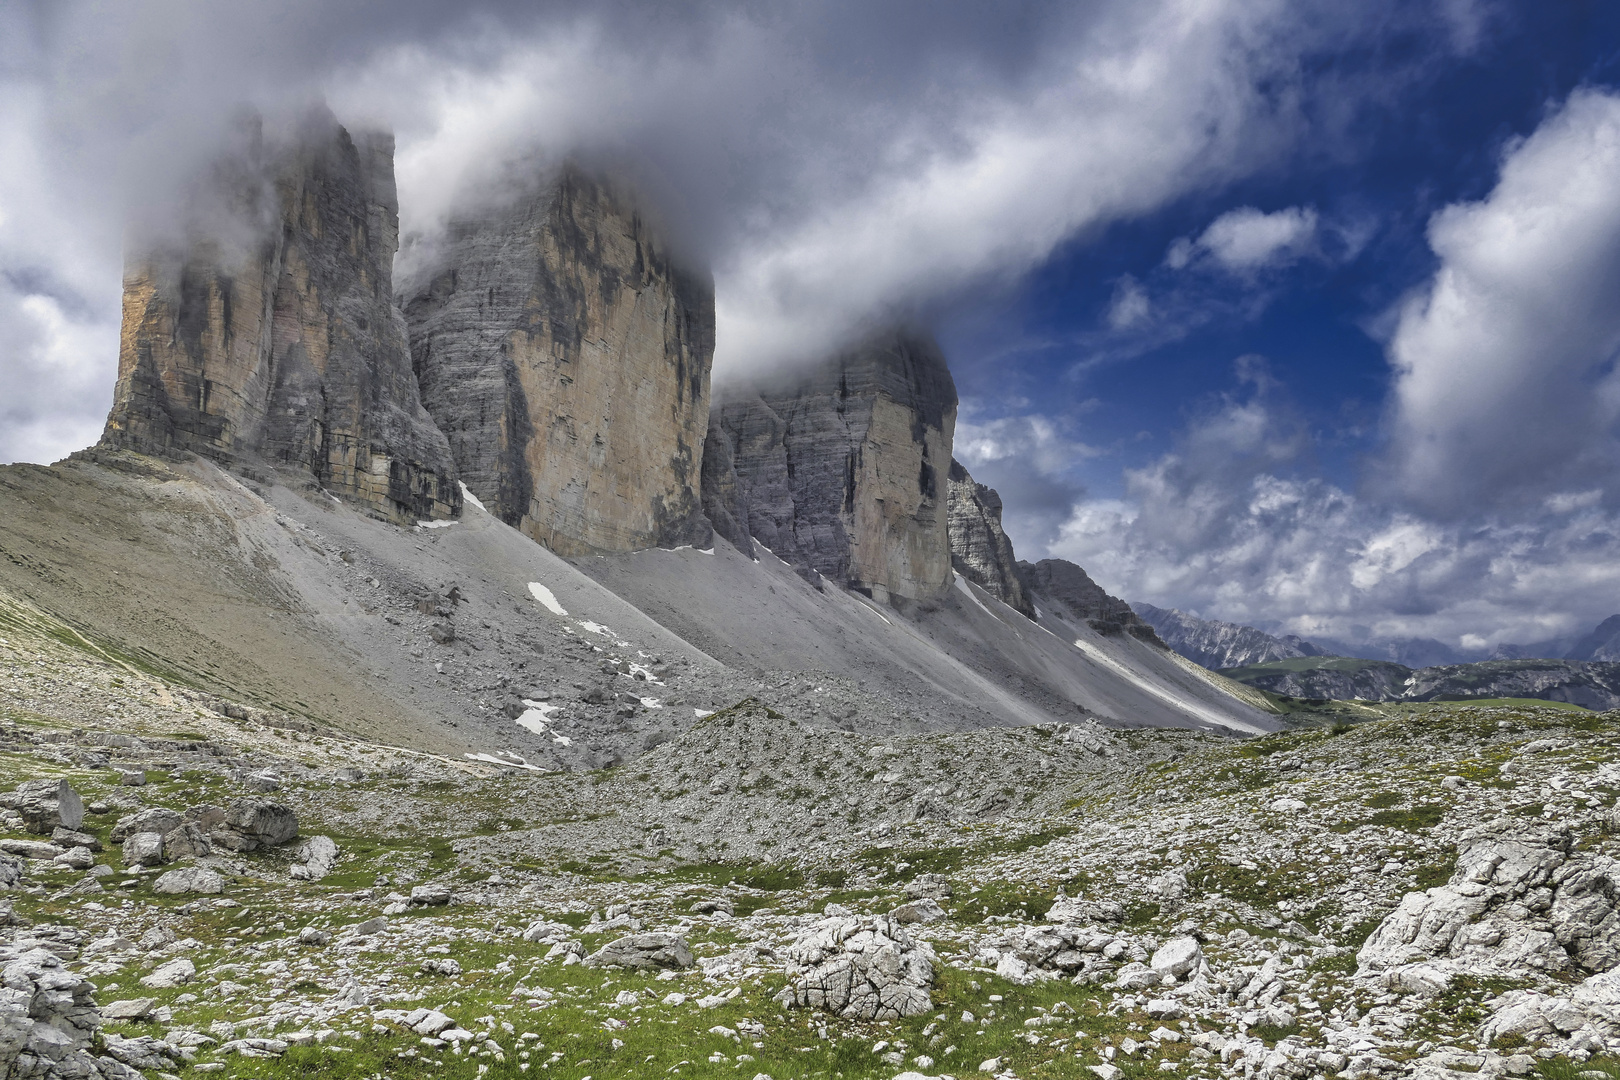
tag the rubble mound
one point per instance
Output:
(48, 1019)
(861, 968)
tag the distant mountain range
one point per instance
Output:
(1582, 671)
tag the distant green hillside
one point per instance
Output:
(1561, 683)
(1343, 678)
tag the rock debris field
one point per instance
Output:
(189, 886)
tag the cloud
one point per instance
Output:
(1505, 385)
(1030, 460)
(835, 162)
(1246, 240)
(1233, 524)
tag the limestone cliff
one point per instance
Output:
(980, 550)
(1058, 581)
(566, 356)
(269, 335)
(837, 468)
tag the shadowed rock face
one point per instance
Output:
(842, 470)
(1058, 581)
(270, 334)
(566, 357)
(980, 550)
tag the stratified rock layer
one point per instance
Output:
(980, 550)
(566, 356)
(270, 335)
(838, 471)
(1058, 581)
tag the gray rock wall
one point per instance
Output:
(566, 356)
(980, 550)
(1058, 581)
(269, 334)
(842, 469)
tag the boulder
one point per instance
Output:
(316, 858)
(143, 849)
(174, 973)
(78, 858)
(251, 824)
(643, 951)
(186, 841)
(128, 1009)
(1177, 957)
(46, 805)
(157, 819)
(432, 894)
(189, 879)
(70, 838)
(30, 849)
(862, 968)
(929, 886)
(918, 911)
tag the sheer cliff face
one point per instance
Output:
(566, 358)
(980, 550)
(843, 469)
(270, 335)
(1060, 582)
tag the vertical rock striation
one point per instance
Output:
(980, 550)
(566, 357)
(1060, 582)
(269, 335)
(839, 470)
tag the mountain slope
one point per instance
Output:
(1216, 644)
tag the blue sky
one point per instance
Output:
(1291, 312)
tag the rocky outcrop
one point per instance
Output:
(1521, 898)
(48, 1021)
(1061, 584)
(269, 334)
(861, 968)
(1216, 644)
(565, 354)
(838, 469)
(980, 550)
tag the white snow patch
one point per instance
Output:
(649, 703)
(966, 590)
(701, 713)
(543, 594)
(1203, 712)
(468, 496)
(596, 628)
(436, 524)
(646, 673)
(704, 551)
(495, 759)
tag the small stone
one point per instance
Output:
(190, 879)
(128, 1009)
(430, 895)
(132, 777)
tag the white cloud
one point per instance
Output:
(1246, 240)
(1130, 305)
(1504, 378)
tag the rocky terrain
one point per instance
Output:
(1421, 894)
(980, 550)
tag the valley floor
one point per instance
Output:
(1072, 900)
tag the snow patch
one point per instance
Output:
(649, 703)
(966, 590)
(596, 628)
(436, 524)
(543, 594)
(498, 759)
(701, 713)
(468, 496)
(536, 718)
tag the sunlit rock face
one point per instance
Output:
(841, 468)
(565, 354)
(267, 334)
